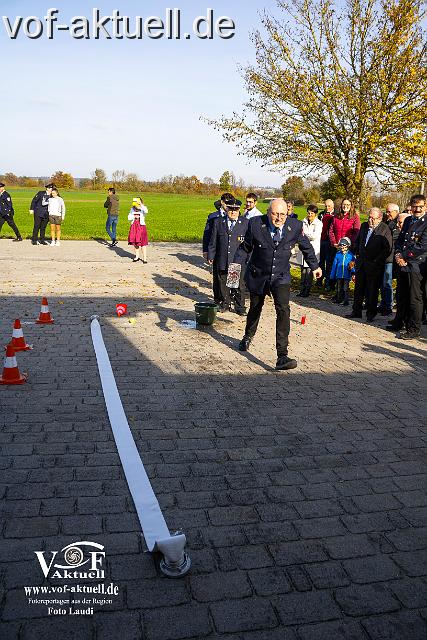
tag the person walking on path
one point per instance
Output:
(373, 246)
(39, 208)
(7, 212)
(138, 237)
(112, 205)
(56, 217)
(220, 212)
(269, 241)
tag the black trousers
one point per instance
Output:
(410, 300)
(306, 279)
(402, 299)
(216, 286)
(12, 225)
(327, 254)
(368, 283)
(235, 295)
(342, 290)
(40, 225)
(280, 293)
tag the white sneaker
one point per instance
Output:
(52, 243)
(58, 244)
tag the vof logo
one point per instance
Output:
(76, 555)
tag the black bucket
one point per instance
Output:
(205, 312)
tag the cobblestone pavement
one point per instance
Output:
(302, 493)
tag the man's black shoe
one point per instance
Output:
(18, 239)
(43, 242)
(353, 315)
(242, 312)
(393, 328)
(408, 335)
(34, 242)
(244, 343)
(284, 363)
(370, 318)
(113, 243)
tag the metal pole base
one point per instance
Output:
(175, 569)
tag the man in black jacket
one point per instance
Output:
(40, 209)
(372, 248)
(227, 235)
(221, 212)
(7, 212)
(386, 306)
(411, 257)
(269, 240)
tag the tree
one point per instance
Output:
(63, 180)
(332, 188)
(293, 189)
(338, 87)
(99, 178)
(11, 179)
(118, 177)
(225, 182)
(312, 195)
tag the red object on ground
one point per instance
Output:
(11, 374)
(18, 340)
(303, 319)
(45, 317)
(121, 309)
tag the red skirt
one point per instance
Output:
(138, 234)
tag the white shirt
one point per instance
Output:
(56, 207)
(140, 212)
(253, 213)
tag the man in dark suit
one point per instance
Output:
(39, 208)
(372, 248)
(411, 257)
(7, 212)
(220, 212)
(269, 241)
(227, 235)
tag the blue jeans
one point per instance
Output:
(111, 225)
(387, 288)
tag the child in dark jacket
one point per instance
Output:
(342, 271)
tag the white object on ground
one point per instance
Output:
(175, 563)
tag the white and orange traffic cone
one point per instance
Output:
(45, 317)
(18, 340)
(11, 374)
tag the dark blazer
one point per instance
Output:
(268, 265)
(392, 225)
(223, 243)
(412, 244)
(39, 204)
(6, 206)
(374, 254)
(208, 228)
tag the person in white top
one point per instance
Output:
(138, 237)
(312, 229)
(251, 210)
(56, 209)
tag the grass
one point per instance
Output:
(171, 217)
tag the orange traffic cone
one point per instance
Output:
(11, 374)
(18, 340)
(45, 317)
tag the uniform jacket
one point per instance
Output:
(268, 265)
(40, 204)
(344, 228)
(208, 228)
(6, 205)
(412, 244)
(340, 270)
(112, 205)
(224, 243)
(374, 254)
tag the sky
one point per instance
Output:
(74, 105)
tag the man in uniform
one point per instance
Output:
(40, 209)
(270, 239)
(7, 212)
(227, 235)
(411, 257)
(220, 212)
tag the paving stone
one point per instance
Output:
(366, 600)
(403, 625)
(319, 527)
(208, 588)
(243, 615)
(349, 546)
(300, 608)
(412, 592)
(269, 581)
(186, 621)
(408, 539)
(328, 574)
(156, 593)
(371, 569)
(344, 630)
(288, 553)
(413, 563)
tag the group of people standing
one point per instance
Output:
(46, 206)
(332, 247)
(137, 237)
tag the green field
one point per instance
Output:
(171, 217)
